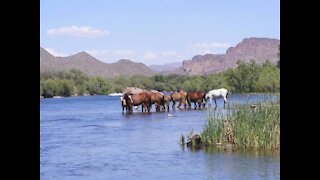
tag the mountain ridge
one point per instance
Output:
(259, 49)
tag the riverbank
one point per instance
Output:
(249, 127)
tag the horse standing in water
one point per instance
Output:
(157, 98)
(179, 96)
(216, 94)
(196, 97)
(143, 99)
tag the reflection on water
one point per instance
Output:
(90, 138)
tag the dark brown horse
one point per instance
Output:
(196, 97)
(157, 99)
(178, 96)
(143, 99)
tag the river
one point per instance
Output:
(89, 137)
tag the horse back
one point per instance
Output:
(141, 98)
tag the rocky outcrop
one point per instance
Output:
(258, 49)
(194, 140)
(202, 64)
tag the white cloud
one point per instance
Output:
(206, 48)
(78, 31)
(55, 53)
(149, 56)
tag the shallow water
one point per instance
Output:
(90, 138)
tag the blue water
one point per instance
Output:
(90, 138)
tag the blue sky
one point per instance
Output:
(153, 31)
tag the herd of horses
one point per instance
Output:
(161, 101)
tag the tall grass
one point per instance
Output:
(245, 127)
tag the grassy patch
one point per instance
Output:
(246, 127)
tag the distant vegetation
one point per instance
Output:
(245, 78)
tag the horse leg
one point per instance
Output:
(209, 102)
(200, 104)
(185, 102)
(225, 101)
(215, 102)
(179, 104)
(166, 106)
(148, 108)
(188, 103)
(203, 103)
(144, 107)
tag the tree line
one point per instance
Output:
(246, 78)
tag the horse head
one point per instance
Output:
(128, 98)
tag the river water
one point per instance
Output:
(90, 138)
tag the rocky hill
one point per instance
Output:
(259, 49)
(91, 66)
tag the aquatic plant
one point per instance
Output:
(249, 127)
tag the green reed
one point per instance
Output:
(245, 127)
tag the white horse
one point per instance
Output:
(216, 94)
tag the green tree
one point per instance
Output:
(98, 85)
(65, 87)
(269, 79)
(50, 88)
(243, 78)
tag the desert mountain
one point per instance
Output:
(91, 66)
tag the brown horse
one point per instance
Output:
(196, 97)
(178, 96)
(143, 98)
(157, 99)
